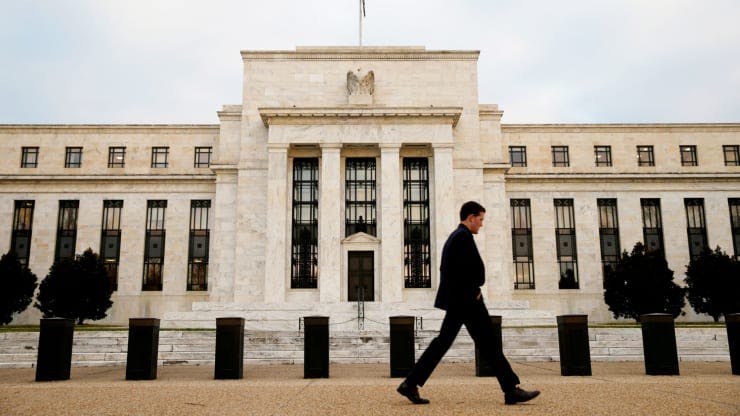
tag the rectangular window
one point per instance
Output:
(521, 244)
(116, 157)
(198, 245)
(110, 239)
(159, 157)
(645, 156)
(652, 225)
(688, 156)
(360, 196)
(518, 155)
(29, 157)
(416, 240)
(560, 157)
(22, 224)
(154, 244)
(73, 157)
(608, 234)
(732, 155)
(735, 224)
(304, 262)
(203, 157)
(696, 226)
(603, 155)
(66, 230)
(565, 236)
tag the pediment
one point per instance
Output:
(359, 238)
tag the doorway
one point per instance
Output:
(360, 276)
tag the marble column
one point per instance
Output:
(330, 217)
(391, 224)
(277, 273)
(223, 245)
(444, 209)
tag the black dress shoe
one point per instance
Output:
(519, 396)
(411, 393)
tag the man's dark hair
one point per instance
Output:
(470, 207)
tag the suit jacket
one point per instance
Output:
(462, 272)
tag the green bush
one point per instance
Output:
(78, 289)
(713, 283)
(18, 283)
(642, 283)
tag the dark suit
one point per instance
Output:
(462, 273)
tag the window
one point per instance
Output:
(416, 241)
(652, 225)
(154, 244)
(159, 157)
(110, 239)
(696, 226)
(735, 224)
(21, 236)
(29, 157)
(518, 155)
(198, 245)
(203, 157)
(603, 155)
(645, 156)
(66, 230)
(116, 157)
(732, 155)
(688, 156)
(360, 196)
(73, 157)
(305, 236)
(565, 236)
(521, 243)
(608, 234)
(560, 156)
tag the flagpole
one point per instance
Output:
(360, 10)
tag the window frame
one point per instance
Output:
(690, 151)
(26, 152)
(522, 151)
(200, 150)
(159, 151)
(603, 150)
(649, 152)
(564, 152)
(69, 153)
(114, 151)
(734, 151)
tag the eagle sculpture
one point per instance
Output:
(357, 86)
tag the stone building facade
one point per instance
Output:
(345, 168)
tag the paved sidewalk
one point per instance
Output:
(614, 389)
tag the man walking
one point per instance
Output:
(462, 274)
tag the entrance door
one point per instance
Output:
(360, 276)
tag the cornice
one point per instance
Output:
(337, 115)
(635, 127)
(403, 53)
(109, 128)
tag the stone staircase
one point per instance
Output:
(197, 347)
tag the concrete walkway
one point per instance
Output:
(365, 389)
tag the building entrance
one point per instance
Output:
(360, 275)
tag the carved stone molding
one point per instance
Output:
(336, 115)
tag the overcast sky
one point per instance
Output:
(156, 61)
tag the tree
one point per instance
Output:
(642, 283)
(77, 289)
(18, 284)
(713, 283)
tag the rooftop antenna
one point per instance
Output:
(362, 15)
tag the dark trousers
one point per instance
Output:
(478, 323)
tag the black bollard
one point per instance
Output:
(659, 344)
(143, 348)
(54, 360)
(732, 322)
(229, 348)
(575, 356)
(483, 367)
(316, 347)
(402, 345)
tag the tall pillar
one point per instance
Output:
(223, 245)
(330, 217)
(445, 212)
(276, 271)
(391, 224)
